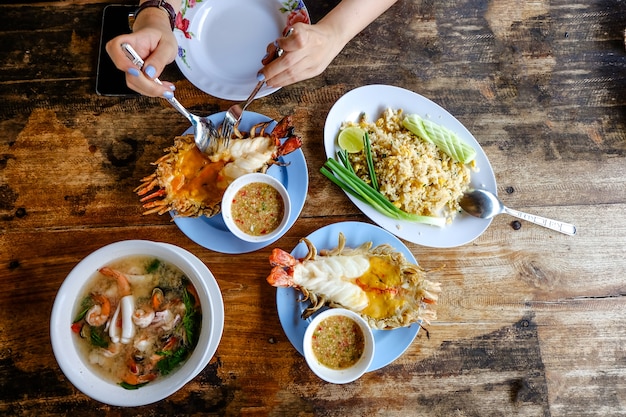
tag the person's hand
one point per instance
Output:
(157, 46)
(311, 48)
(308, 51)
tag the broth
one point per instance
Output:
(138, 319)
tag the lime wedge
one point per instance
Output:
(351, 139)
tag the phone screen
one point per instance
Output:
(110, 81)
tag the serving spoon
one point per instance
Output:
(205, 133)
(485, 205)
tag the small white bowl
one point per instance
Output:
(231, 192)
(339, 376)
(74, 365)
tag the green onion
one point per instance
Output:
(370, 161)
(355, 186)
(342, 154)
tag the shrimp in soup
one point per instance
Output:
(138, 319)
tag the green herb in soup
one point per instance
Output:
(258, 209)
(338, 342)
(138, 319)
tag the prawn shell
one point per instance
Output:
(191, 183)
(326, 276)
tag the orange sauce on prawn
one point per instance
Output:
(380, 283)
(198, 177)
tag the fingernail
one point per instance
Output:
(260, 76)
(168, 94)
(150, 71)
(134, 72)
(265, 57)
(173, 87)
(276, 44)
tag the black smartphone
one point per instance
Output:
(110, 81)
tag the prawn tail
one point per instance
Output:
(122, 280)
(279, 277)
(279, 257)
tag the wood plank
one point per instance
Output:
(529, 321)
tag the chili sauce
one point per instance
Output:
(338, 342)
(258, 209)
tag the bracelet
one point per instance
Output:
(161, 4)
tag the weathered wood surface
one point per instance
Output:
(531, 322)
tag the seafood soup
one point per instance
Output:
(138, 319)
(258, 209)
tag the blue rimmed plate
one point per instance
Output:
(390, 344)
(212, 233)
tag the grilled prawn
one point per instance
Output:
(378, 283)
(192, 183)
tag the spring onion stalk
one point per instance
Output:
(345, 181)
(370, 161)
(342, 155)
(355, 186)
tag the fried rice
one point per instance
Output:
(413, 174)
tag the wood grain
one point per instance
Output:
(530, 322)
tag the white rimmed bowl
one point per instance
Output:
(231, 192)
(339, 376)
(73, 364)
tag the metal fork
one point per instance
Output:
(234, 113)
(205, 135)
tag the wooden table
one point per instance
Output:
(531, 322)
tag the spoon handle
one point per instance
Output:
(568, 229)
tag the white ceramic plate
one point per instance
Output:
(390, 344)
(373, 100)
(212, 233)
(71, 362)
(221, 42)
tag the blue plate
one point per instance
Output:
(212, 233)
(390, 344)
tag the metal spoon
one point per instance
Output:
(484, 204)
(205, 133)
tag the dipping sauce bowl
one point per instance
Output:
(256, 207)
(338, 346)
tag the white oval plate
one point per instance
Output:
(212, 233)
(373, 100)
(221, 43)
(390, 344)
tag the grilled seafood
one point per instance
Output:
(192, 183)
(378, 283)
